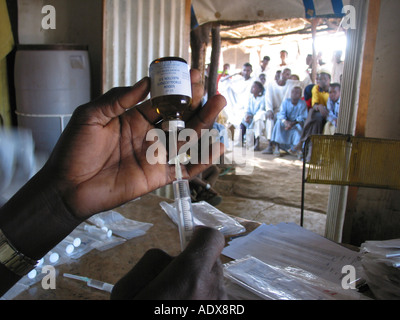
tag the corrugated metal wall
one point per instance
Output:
(138, 31)
(337, 203)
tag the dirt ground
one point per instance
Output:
(272, 192)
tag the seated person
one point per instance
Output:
(277, 92)
(333, 106)
(289, 124)
(317, 114)
(255, 116)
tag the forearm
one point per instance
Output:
(34, 221)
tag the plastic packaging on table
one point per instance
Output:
(120, 226)
(277, 283)
(205, 214)
(97, 238)
(267, 282)
(82, 240)
(381, 268)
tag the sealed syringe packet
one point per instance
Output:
(204, 214)
(120, 226)
(276, 282)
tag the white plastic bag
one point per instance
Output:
(17, 160)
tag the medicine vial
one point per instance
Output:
(171, 91)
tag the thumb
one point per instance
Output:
(116, 101)
(145, 271)
(206, 245)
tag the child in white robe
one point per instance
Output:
(255, 117)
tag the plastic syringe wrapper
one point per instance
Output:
(204, 214)
(273, 282)
(183, 204)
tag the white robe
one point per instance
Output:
(275, 95)
(256, 108)
(337, 71)
(236, 92)
(289, 139)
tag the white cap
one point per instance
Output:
(54, 256)
(69, 248)
(72, 240)
(77, 242)
(32, 274)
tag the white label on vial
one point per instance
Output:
(170, 77)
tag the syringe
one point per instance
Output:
(183, 203)
(91, 282)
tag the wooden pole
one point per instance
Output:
(199, 39)
(215, 53)
(367, 66)
(363, 101)
(314, 24)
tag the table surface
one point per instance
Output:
(111, 265)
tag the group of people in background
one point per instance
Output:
(283, 107)
(273, 103)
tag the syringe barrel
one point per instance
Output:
(181, 189)
(183, 205)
